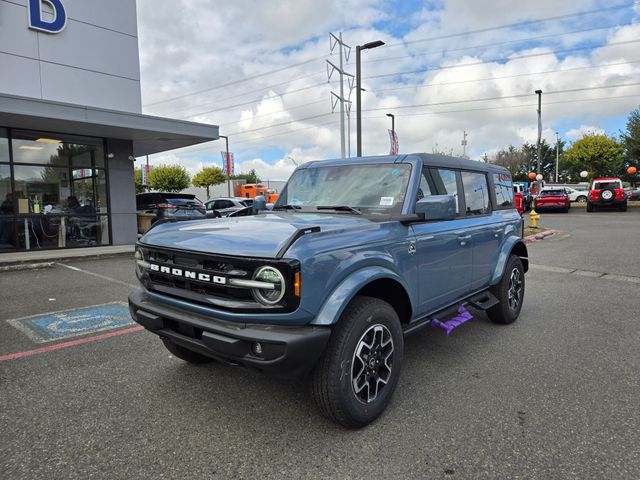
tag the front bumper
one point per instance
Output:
(286, 351)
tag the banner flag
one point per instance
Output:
(227, 163)
(393, 139)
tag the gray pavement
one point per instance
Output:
(554, 395)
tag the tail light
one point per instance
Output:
(620, 194)
(594, 194)
(165, 205)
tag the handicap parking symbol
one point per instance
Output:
(72, 323)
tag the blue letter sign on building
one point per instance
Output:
(36, 22)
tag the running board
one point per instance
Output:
(463, 316)
(484, 300)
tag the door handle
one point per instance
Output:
(497, 233)
(463, 239)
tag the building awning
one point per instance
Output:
(149, 134)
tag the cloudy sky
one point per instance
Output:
(258, 70)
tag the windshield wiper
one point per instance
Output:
(287, 207)
(339, 208)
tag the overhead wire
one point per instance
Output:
(513, 25)
(498, 59)
(235, 82)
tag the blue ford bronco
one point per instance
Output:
(355, 255)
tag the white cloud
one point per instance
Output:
(199, 46)
(577, 133)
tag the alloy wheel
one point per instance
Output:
(372, 363)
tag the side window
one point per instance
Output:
(424, 189)
(504, 190)
(444, 182)
(476, 193)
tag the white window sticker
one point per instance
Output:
(386, 201)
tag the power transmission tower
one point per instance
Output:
(344, 51)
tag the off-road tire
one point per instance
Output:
(332, 379)
(623, 207)
(590, 207)
(503, 312)
(186, 354)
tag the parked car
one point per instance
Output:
(227, 205)
(553, 199)
(519, 199)
(170, 206)
(607, 192)
(523, 189)
(633, 194)
(356, 255)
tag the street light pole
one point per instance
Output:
(359, 48)
(393, 132)
(557, 154)
(539, 166)
(226, 159)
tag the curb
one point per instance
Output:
(539, 236)
(25, 266)
(59, 257)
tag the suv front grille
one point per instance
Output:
(171, 280)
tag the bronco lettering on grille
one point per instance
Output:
(190, 274)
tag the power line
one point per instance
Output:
(469, 100)
(495, 44)
(514, 57)
(229, 107)
(274, 113)
(502, 77)
(249, 92)
(235, 82)
(513, 25)
(501, 107)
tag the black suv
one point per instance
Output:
(171, 206)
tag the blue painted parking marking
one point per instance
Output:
(72, 323)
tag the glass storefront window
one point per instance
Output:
(52, 231)
(101, 191)
(57, 197)
(7, 233)
(54, 150)
(6, 197)
(4, 146)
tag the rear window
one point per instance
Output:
(605, 185)
(553, 192)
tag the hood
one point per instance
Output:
(254, 236)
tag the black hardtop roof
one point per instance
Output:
(430, 159)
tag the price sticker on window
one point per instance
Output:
(386, 201)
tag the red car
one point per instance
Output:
(607, 192)
(519, 198)
(553, 199)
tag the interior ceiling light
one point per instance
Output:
(48, 140)
(30, 147)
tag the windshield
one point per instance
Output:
(371, 189)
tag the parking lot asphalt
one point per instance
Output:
(555, 395)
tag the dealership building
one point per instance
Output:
(71, 124)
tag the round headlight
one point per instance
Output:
(271, 275)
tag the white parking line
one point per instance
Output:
(97, 275)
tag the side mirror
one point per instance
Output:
(437, 207)
(259, 203)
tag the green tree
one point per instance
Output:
(250, 177)
(631, 142)
(514, 160)
(207, 177)
(600, 155)
(169, 178)
(138, 181)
